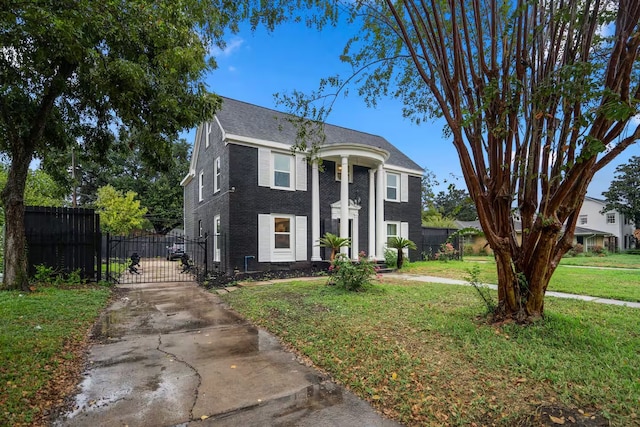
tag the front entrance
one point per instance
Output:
(354, 210)
(155, 258)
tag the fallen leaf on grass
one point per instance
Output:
(204, 417)
(556, 420)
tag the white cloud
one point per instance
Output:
(229, 49)
(232, 68)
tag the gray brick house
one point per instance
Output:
(264, 208)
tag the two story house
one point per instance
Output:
(264, 207)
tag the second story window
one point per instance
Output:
(216, 175)
(281, 170)
(582, 220)
(393, 184)
(611, 218)
(201, 186)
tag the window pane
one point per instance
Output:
(392, 229)
(281, 179)
(282, 225)
(392, 180)
(281, 162)
(282, 241)
(392, 193)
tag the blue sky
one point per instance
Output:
(256, 65)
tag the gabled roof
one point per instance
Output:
(247, 120)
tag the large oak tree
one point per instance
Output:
(83, 72)
(537, 95)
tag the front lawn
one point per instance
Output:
(420, 354)
(621, 284)
(41, 343)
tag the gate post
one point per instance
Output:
(108, 248)
(206, 254)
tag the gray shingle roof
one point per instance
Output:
(248, 120)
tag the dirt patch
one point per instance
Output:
(553, 416)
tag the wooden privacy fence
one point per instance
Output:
(67, 239)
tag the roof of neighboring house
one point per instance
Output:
(579, 231)
(248, 120)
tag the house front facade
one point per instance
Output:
(264, 207)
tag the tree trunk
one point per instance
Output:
(400, 259)
(15, 255)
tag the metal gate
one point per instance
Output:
(155, 258)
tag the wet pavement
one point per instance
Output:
(171, 354)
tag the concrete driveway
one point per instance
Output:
(171, 354)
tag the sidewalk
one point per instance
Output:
(172, 354)
(434, 279)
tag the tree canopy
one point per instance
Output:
(120, 212)
(537, 96)
(92, 73)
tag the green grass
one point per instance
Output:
(38, 335)
(611, 260)
(419, 353)
(621, 284)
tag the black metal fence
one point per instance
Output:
(151, 258)
(433, 240)
(66, 239)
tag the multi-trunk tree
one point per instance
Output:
(537, 97)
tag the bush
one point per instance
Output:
(352, 276)
(467, 249)
(576, 250)
(447, 252)
(390, 258)
(597, 249)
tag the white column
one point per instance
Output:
(372, 214)
(344, 201)
(315, 212)
(355, 235)
(380, 229)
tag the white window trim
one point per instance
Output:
(612, 216)
(216, 238)
(291, 185)
(207, 134)
(267, 251)
(201, 186)
(216, 175)
(297, 170)
(386, 186)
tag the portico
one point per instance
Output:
(346, 155)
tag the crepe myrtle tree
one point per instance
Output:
(537, 97)
(86, 72)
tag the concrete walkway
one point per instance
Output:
(172, 354)
(434, 279)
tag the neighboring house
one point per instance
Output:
(610, 230)
(612, 223)
(264, 208)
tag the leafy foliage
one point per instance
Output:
(120, 213)
(350, 275)
(330, 240)
(400, 244)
